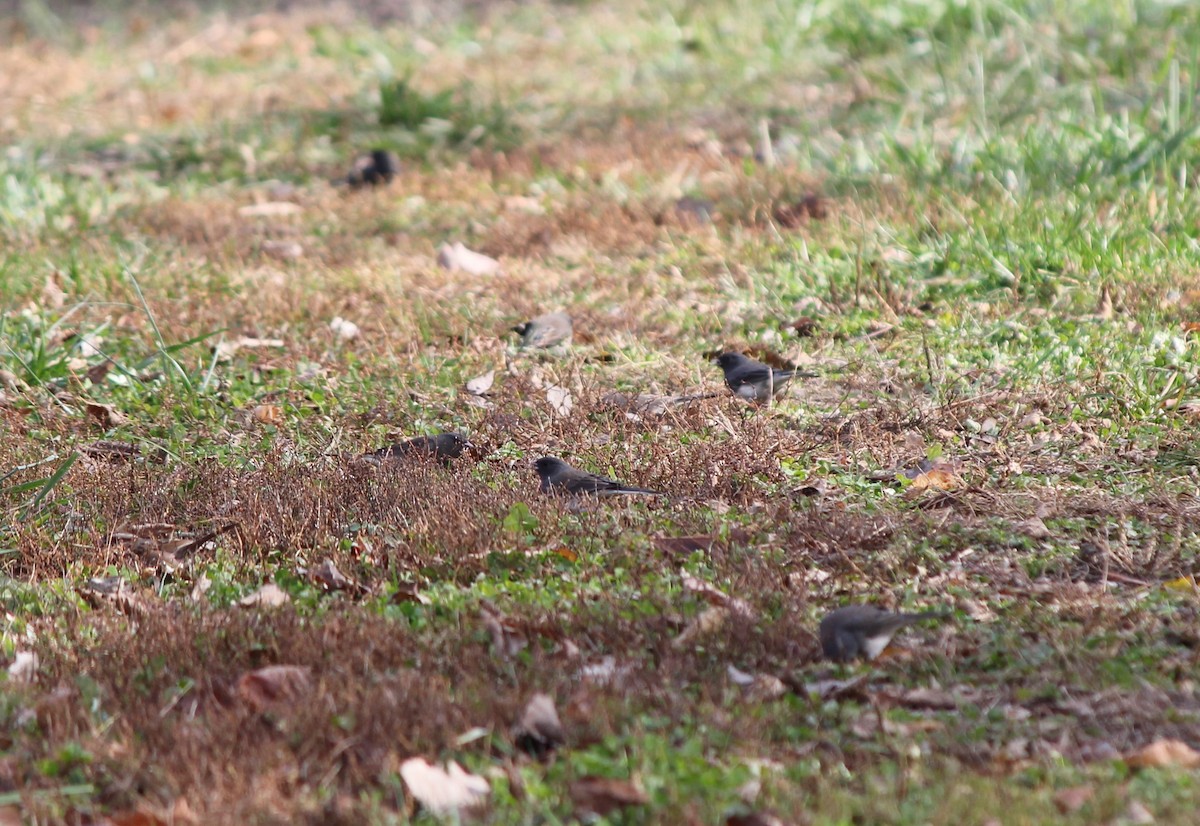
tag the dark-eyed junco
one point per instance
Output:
(378, 168)
(753, 380)
(864, 630)
(546, 330)
(444, 447)
(559, 477)
(539, 731)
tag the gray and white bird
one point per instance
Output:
(752, 380)
(445, 447)
(549, 330)
(560, 478)
(865, 630)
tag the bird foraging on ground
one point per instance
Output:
(560, 478)
(372, 170)
(549, 330)
(752, 380)
(865, 630)
(445, 447)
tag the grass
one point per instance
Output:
(975, 222)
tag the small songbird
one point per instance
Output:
(560, 478)
(546, 331)
(377, 168)
(538, 731)
(864, 630)
(445, 447)
(752, 380)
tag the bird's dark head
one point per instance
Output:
(522, 329)
(453, 444)
(729, 359)
(548, 464)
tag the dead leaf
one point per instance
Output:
(835, 689)
(560, 399)
(683, 545)
(330, 578)
(754, 819)
(200, 588)
(283, 250)
(112, 451)
(408, 592)
(270, 209)
(539, 731)
(706, 623)
(757, 687)
(458, 257)
(10, 816)
(715, 596)
(1164, 753)
(1136, 814)
(811, 207)
(940, 476)
(451, 791)
(1069, 801)
(268, 596)
(507, 640)
(225, 349)
(268, 414)
(23, 668)
(344, 329)
(479, 385)
(114, 591)
(603, 795)
(274, 685)
(106, 415)
(1104, 307)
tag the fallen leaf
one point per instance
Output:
(282, 250)
(225, 349)
(754, 819)
(938, 477)
(539, 731)
(330, 578)
(23, 668)
(451, 791)
(479, 385)
(268, 596)
(1164, 753)
(344, 329)
(112, 451)
(1136, 814)
(10, 816)
(408, 592)
(834, 689)
(603, 795)
(270, 209)
(274, 685)
(137, 817)
(116, 592)
(507, 641)
(200, 588)
(268, 414)
(1104, 307)
(567, 554)
(705, 623)
(106, 415)
(715, 596)
(757, 687)
(458, 257)
(1069, 801)
(560, 399)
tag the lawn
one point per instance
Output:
(975, 221)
